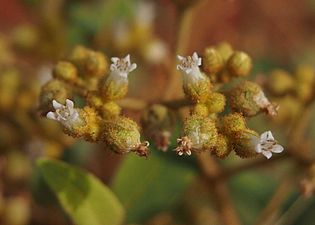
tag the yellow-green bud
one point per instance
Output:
(158, 122)
(122, 136)
(225, 50)
(212, 61)
(244, 143)
(196, 85)
(304, 91)
(110, 110)
(200, 134)
(239, 64)
(280, 82)
(215, 102)
(25, 36)
(233, 123)
(79, 55)
(305, 74)
(200, 109)
(96, 64)
(249, 99)
(222, 148)
(53, 90)
(65, 71)
(9, 84)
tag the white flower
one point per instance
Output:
(190, 64)
(267, 145)
(67, 115)
(122, 66)
(184, 146)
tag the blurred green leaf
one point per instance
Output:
(148, 186)
(83, 196)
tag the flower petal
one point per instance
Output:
(277, 149)
(267, 154)
(132, 67)
(56, 104)
(69, 104)
(51, 115)
(266, 136)
(258, 148)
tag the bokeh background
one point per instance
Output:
(165, 189)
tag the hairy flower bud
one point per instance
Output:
(244, 143)
(122, 136)
(215, 102)
(212, 61)
(200, 134)
(96, 64)
(225, 50)
(53, 90)
(249, 99)
(65, 71)
(305, 74)
(158, 123)
(196, 85)
(222, 148)
(200, 109)
(233, 123)
(115, 86)
(280, 82)
(239, 64)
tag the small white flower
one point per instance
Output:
(267, 145)
(190, 64)
(122, 66)
(67, 115)
(184, 146)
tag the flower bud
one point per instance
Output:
(53, 90)
(233, 123)
(212, 61)
(200, 134)
(249, 99)
(65, 71)
(158, 123)
(280, 82)
(115, 86)
(122, 136)
(239, 64)
(9, 85)
(200, 110)
(222, 148)
(215, 102)
(110, 110)
(196, 85)
(244, 143)
(225, 50)
(79, 55)
(305, 74)
(304, 91)
(96, 64)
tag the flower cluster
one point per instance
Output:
(86, 74)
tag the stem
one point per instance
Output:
(210, 170)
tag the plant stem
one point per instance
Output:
(210, 170)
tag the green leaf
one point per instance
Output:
(83, 196)
(148, 186)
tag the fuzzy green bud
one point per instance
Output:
(305, 74)
(200, 109)
(200, 134)
(244, 143)
(222, 148)
(225, 50)
(233, 123)
(280, 82)
(212, 61)
(158, 123)
(239, 64)
(249, 99)
(110, 110)
(65, 71)
(53, 90)
(196, 85)
(215, 102)
(122, 136)
(96, 64)
(79, 55)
